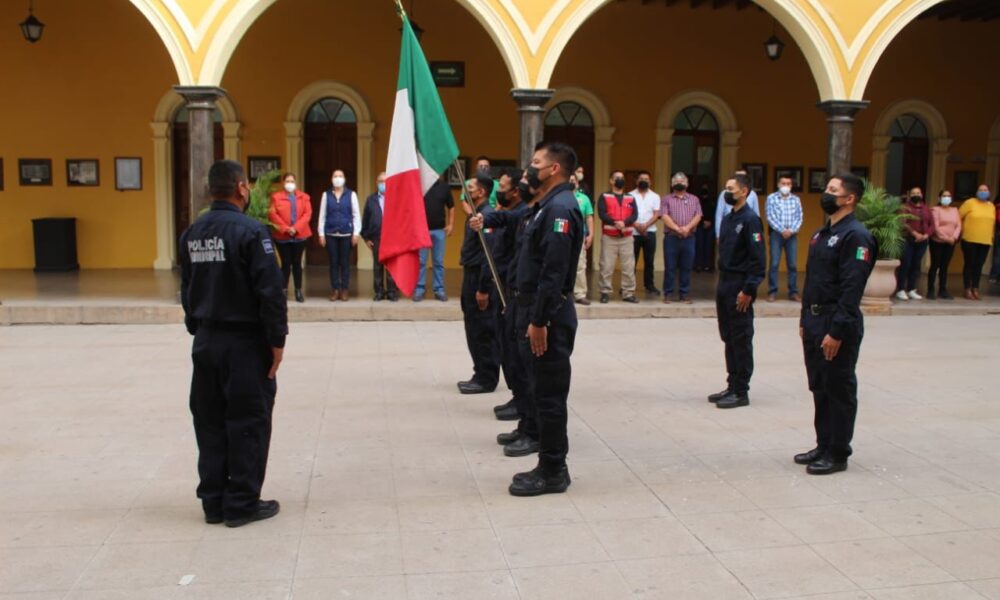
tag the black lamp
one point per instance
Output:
(774, 46)
(32, 28)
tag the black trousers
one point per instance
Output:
(380, 275)
(834, 385)
(291, 261)
(736, 331)
(231, 402)
(975, 257)
(704, 248)
(481, 331)
(551, 374)
(646, 245)
(517, 372)
(940, 259)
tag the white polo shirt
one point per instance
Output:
(646, 205)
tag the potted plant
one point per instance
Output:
(260, 198)
(880, 213)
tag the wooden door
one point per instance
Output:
(328, 146)
(182, 173)
(916, 157)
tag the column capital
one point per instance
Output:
(529, 99)
(200, 96)
(842, 110)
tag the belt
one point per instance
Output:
(229, 325)
(821, 309)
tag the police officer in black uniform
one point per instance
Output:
(546, 327)
(510, 223)
(741, 269)
(234, 305)
(841, 257)
(479, 295)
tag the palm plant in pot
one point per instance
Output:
(880, 213)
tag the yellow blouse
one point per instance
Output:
(978, 221)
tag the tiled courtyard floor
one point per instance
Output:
(392, 485)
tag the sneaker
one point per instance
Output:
(901, 295)
(914, 295)
(772, 297)
(440, 296)
(630, 299)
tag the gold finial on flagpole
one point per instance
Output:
(400, 11)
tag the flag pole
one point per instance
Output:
(482, 238)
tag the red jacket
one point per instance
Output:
(281, 215)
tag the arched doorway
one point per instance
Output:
(182, 166)
(330, 140)
(910, 148)
(696, 147)
(906, 163)
(572, 123)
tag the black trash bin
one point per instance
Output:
(55, 244)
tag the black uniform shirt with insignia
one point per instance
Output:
(472, 255)
(741, 247)
(229, 274)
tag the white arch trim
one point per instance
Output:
(729, 132)
(245, 12)
(171, 43)
(937, 132)
(820, 56)
(163, 167)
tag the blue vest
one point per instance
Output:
(339, 215)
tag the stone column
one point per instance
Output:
(531, 106)
(200, 102)
(840, 116)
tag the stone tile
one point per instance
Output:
(738, 530)
(509, 511)
(816, 524)
(980, 510)
(951, 591)
(194, 591)
(57, 528)
(243, 560)
(485, 585)
(451, 551)
(699, 577)
(442, 513)
(880, 563)
(385, 587)
(138, 565)
(422, 483)
(546, 545)
(603, 505)
(989, 588)
(595, 580)
(928, 481)
(906, 517)
(782, 492)
(672, 469)
(630, 539)
(361, 484)
(702, 497)
(144, 525)
(25, 570)
(857, 485)
(744, 465)
(777, 572)
(349, 555)
(966, 554)
(350, 516)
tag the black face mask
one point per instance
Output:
(524, 189)
(679, 187)
(829, 203)
(729, 198)
(502, 199)
(533, 180)
(619, 183)
(916, 199)
(644, 185)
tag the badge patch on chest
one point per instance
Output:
(863, 253)
(560, 226)
(832, 241)
(739, 228)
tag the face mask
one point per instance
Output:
(679, 187)
(619, 183)
(579, 177)
(785, 190)
(338, 182)
(381, 188)
(533, 179)
(290, 188)
(502, 199)
(829, 203)
(730, 198)
(984, 196)
(945, 200)
(916, 199)
(525, 190)
(644, 185)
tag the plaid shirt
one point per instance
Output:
(784, 213)
(681, 210)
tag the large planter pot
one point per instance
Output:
(881, 284)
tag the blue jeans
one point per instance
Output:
(677, 254)
(909, 266)
(790, 246)
(437, 255)
(338, 249)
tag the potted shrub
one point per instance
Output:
(880, 213)
(260, 197)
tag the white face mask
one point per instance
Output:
(785, 190)
(945, 200)
(290, 187)
(338, 182)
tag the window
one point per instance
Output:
(696, 147)
(331, 110)
(568, 114)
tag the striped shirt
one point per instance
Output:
(681, 210)
(784, 213)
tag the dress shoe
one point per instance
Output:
(772, 297)
(654, 291)
(931, 295)
(733, 400)
(418, 298)
(393, 297)
(265, 510)
(505, 438)
(686, 300)
(500, 407)
(335, 295)
(719, 395)
(968, 294)
(299, 296)
(213, 519)
(507, 414)
(474, 387)
(583, 301)
(441, 297)
(944, 295)
(795, 297)
(522, 446)
(605, 298)
(537, 482)
(826, 465)
(379, 297)
(666, 300)
(807, 457)
(630, 299)
(975, 294)
(344, 295)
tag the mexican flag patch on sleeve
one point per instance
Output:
(756, 237)
(560, 226)
(863, 253)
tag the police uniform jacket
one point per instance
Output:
(741, 248)
(841, 257)
(472, 254)
(229, 275)
(506, 234)
(550, 249)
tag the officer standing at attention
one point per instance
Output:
(234, 305)
(841, 257)
(546, 272)
(741, 269)
(478, 298)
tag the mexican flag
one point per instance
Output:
(421, 148)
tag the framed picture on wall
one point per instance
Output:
(128, 173)
(817, 180)
(258, 165)
(452, 177)
(793, 173)
(861, 172)
(35, 171)
(758, 177)
(83, 172)
(966, 185)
